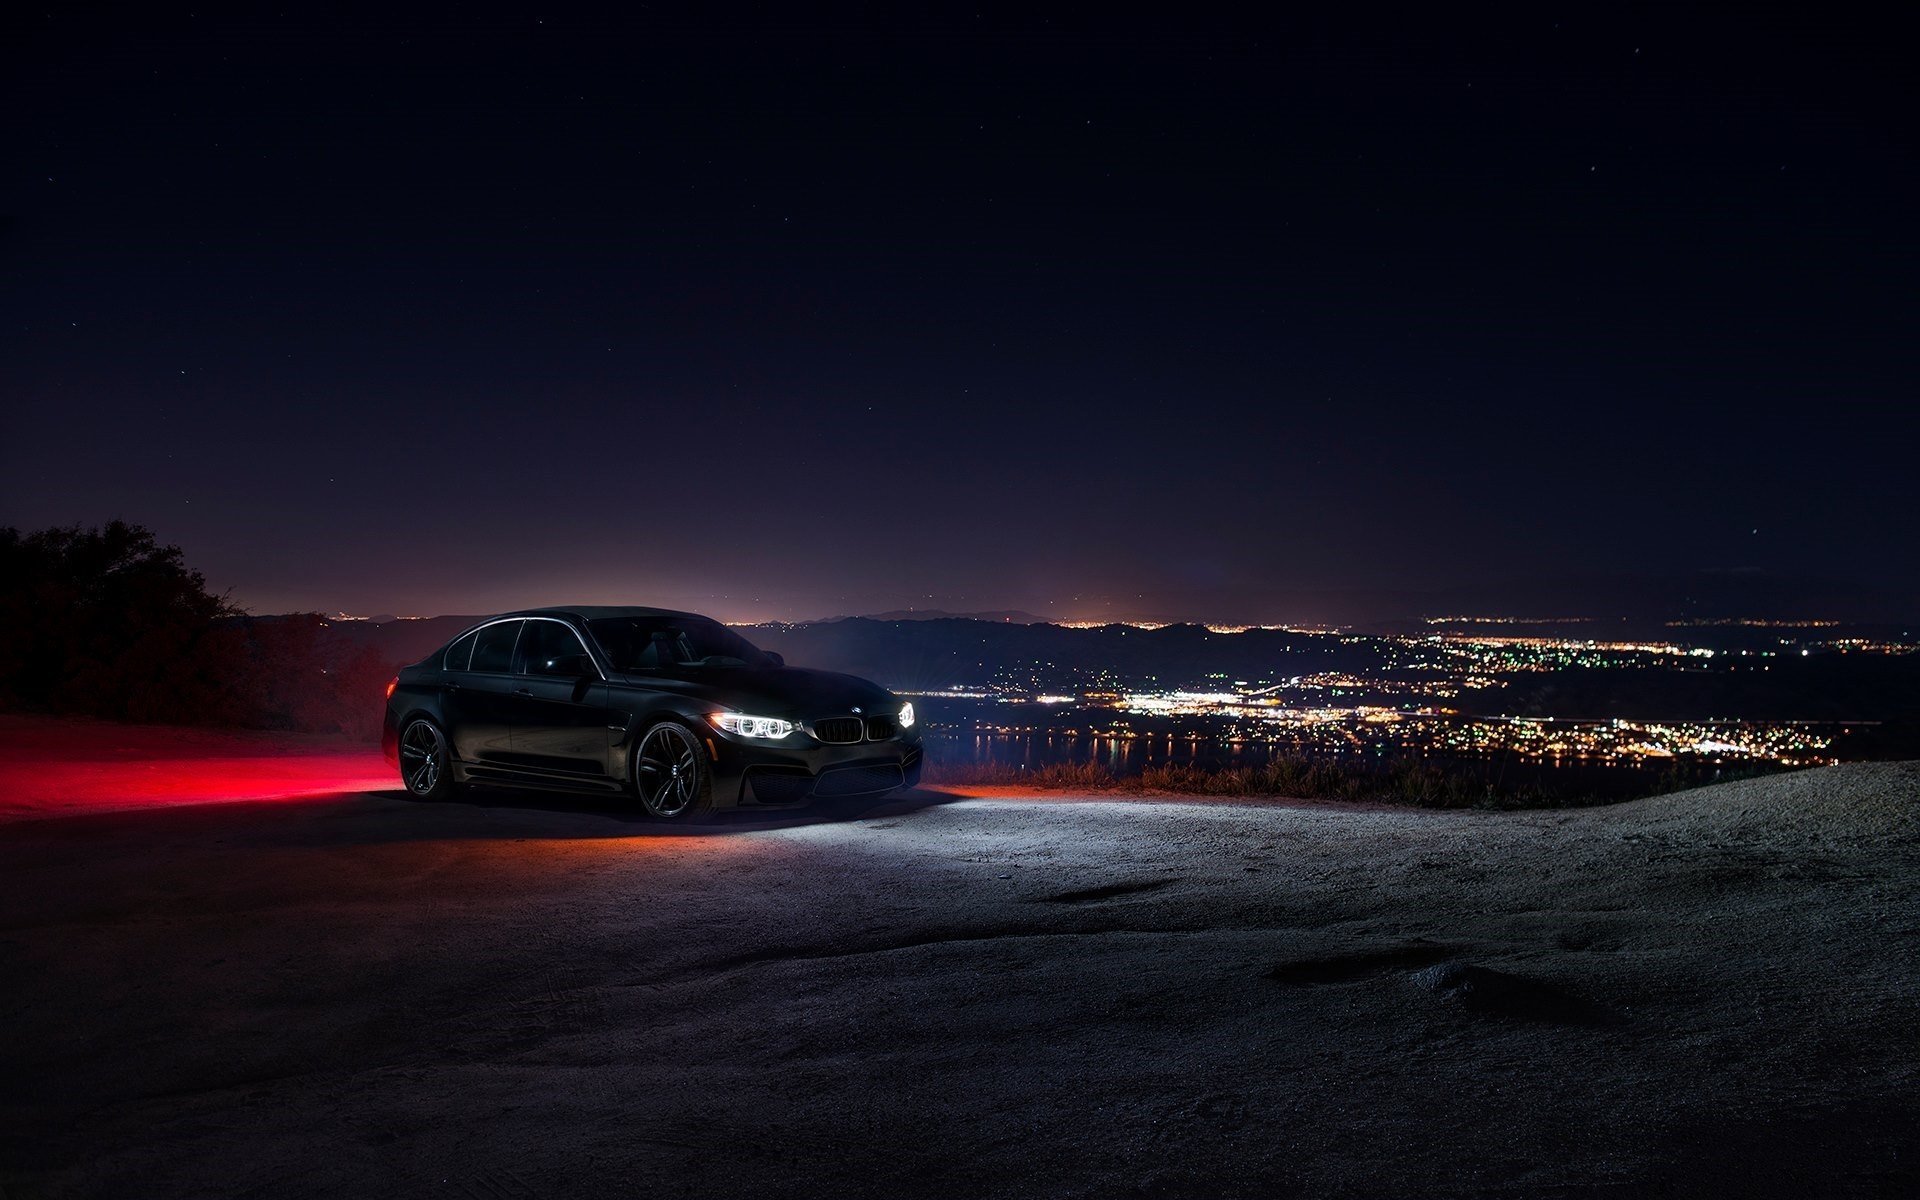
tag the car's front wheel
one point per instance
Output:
(671, 775)
(425, 764)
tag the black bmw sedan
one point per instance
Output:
(676, 709)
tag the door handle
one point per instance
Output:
(523, 691)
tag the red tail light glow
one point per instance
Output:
(392, 684)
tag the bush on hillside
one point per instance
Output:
(110, 623)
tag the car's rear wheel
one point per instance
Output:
(426, 765)
(671, 775)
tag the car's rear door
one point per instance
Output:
(561, 710)
(479, 699)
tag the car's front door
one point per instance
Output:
(561, 710)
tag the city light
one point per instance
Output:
(1440, 693)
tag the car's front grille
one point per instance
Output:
(839, 730)
(879, 729)
(858, 781)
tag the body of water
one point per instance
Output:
(1504, 771)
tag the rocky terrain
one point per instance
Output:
(983, 996)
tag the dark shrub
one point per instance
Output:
(109, 623)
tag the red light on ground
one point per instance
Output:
(50, 788)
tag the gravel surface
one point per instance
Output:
(1715, 991)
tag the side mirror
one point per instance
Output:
(778, 660)
(567, 666)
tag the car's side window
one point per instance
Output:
(493, 649)
(461, 652)
(550, 648)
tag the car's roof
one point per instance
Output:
(593, 612)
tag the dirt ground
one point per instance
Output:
(363, 995)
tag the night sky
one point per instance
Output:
(983, 309)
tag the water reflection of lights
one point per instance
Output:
(1365, 730)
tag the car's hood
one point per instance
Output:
(770, 691)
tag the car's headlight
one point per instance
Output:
(753, 727)
(906, 716)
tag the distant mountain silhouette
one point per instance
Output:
(945, 652)
(1012, 616)
(1640, 597)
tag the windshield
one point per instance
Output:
(649, 643)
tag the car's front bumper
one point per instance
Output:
(761, 777)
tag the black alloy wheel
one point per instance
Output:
(670, 773)
(424, 765)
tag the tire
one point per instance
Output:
(671, 775)
(426, 761)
